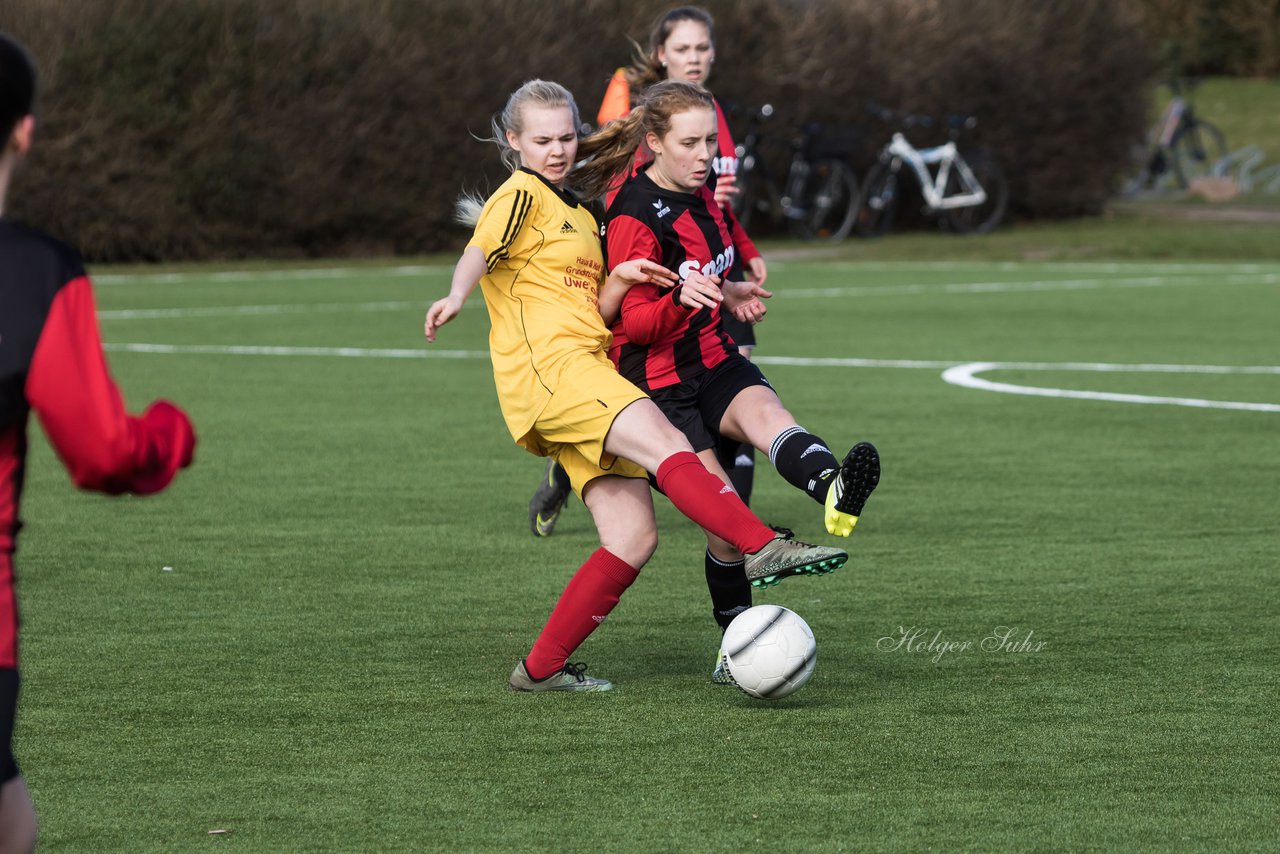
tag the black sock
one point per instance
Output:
(743, 473)
(804, 461)
(729, 588)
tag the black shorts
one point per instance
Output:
(742, 334)
(8, 710)
(696, 406)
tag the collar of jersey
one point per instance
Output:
(655, 187)
(565, 196)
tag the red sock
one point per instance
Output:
(589, 597)
(707, 500)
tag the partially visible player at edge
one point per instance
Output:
(681, 47)
(671, 342)
(51, 362)
(536, 255)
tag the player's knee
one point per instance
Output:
(672, 440)
(721, 550)
(635, 545)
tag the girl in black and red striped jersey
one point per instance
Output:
(681, 46)
(51, 363)
(671, 342)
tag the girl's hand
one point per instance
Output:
(640, 271)
(440, 313)
(726, 189)
(700, 291)
(742, 299)
(756, 270)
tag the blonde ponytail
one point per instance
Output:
(467, 209)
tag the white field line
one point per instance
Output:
(321, 273)
(966, 376)
(1030, 286)
(236, 310)
(963, 375)
(283, 308)
(1045, 266)
(796, 293)
(429, 352)
(311, 274)
(268, 350)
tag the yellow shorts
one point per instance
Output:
(572, 427)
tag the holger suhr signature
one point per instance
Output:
(936, 644)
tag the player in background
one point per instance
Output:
(671, 341)
(537, 256)
(51, 363)
(681, 47)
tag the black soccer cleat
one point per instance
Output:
(549, 500)
(851, 487)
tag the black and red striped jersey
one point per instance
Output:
(657, 342)
(724, 163)
(51, 363)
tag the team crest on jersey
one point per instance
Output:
(661, 207)
(568, 228)
(715, 267)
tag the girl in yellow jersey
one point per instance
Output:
(536, 255)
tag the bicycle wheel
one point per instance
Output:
(1196, 148)
(978, 219)
(878, 201)
(829, 202)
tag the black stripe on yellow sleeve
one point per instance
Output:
(515, 221)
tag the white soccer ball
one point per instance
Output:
(769, 651)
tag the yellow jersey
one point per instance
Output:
(542, 247)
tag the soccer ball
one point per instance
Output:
(769, 651)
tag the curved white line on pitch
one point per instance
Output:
(965, 376)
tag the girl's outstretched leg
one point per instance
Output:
(623, 512)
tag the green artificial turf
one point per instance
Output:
(352, 579)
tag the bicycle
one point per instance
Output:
(968, 192)
(818, 198)
(1180, 146)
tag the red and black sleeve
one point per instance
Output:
(649, 313)
(71, 391)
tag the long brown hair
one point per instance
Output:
(645, 69)
(612, 149)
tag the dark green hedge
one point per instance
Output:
(1199, 37)
(174, 129)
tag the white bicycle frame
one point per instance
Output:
(934, 187)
